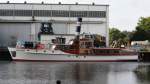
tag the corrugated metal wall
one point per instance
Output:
(10, 32)
(60, 28)
(64, 17)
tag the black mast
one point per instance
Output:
(78, 30)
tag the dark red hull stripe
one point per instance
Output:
(126, 60)
(110, 54)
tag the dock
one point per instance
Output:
(144, 56)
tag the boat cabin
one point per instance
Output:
(106, 51)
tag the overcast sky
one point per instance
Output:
(123, 14)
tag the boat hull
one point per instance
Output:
(21, 55)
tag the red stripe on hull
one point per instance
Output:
(71, 51)
(106, 54)
(123, 54)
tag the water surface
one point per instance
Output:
(74, 72)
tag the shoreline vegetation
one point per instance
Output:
(141, 33)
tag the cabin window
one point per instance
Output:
(61, 40)
(63, 47)
(107, 51)
(88, 44)
(53, 40)
(116, 51)
(99, 51)
(81, 44)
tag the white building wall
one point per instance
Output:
(89, 28)
(60, 28)
(107, 26)
(60, 7)
(7, 6)
(41, 7)
(79, 7)
(10, 32)
(98, 8)
(61, 25)
(97, 29)
(23, 7)
(53, 7)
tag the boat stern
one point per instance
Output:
(12, 51)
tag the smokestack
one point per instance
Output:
(25, 2)
(59, 3)
(7, 2)
(42, 2)
(78, 28)
(93, 3)
(76, 3)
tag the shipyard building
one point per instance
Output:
(22, 21)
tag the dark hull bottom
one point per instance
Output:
(4, 54)
(23, 60)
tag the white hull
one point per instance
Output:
(21, 55)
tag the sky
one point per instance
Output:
(123, 14)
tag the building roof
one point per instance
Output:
(58, 4)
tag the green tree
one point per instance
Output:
(140, 35)
(113, 34)
(118, 36)
(143, 24)
(142, 31)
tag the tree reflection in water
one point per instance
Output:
(143, 73)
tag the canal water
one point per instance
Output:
(74, 72)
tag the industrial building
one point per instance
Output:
(22, 21)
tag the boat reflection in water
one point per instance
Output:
(143, 73)
(73, 73)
